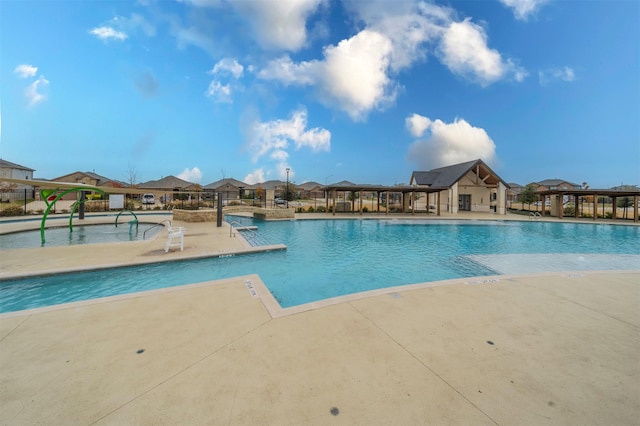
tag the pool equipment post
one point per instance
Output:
(81, 207)
(219, 211)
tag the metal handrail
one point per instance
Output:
(534, 215)
(231, 227)
(144, 234)
(256, 236)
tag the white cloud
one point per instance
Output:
(256, 176)
(522, 9)
(108, 33)
(273, 138)
(357, 74)
(565, 74)
(278, 24)
(352, 76)
(409, 25)
(25, 70)
(219, 92)
(287, 72)
(191, 175)
(417, 124)
(33, 92)
(463, 49)
(451, 143)
(228, 66)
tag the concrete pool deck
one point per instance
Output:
(555, 348)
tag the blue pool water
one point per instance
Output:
(84, 234)
(328, 258)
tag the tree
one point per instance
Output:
(528, 194)
(132, 176)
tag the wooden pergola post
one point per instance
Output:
(334, 202)
(387, 209)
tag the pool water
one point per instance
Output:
(83, 234)
(328, 258)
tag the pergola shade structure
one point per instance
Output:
(407, 195)
(557, 197)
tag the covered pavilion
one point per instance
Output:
(403, 190)
(557, 197)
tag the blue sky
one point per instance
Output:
(365, 91)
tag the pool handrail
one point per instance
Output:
(126, 211)
(144, 234)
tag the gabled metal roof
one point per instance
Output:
(449, 175)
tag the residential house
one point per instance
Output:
(311, 190)
(15, 191)
(167, 189)
(87, 178)
(229, 188)
(513, 193)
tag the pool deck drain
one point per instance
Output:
(566, 352)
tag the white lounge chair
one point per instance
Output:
(175, 237)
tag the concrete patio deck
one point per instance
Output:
(551, 348)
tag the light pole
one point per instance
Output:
(287, 194)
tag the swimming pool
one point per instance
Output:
(82, 234)
(328, 258)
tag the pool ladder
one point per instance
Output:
(534, 215)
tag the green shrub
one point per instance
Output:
(321, 209)
(569, 211)
(12, 211)
(310, 209)
(365, 210)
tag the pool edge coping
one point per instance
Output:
(255, 283)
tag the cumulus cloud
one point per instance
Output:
(219, 92)
(191, 175)
(451, 143)
(463, 49)
(273, 138)
(357, 74)
(408, 25)
(228, 66)
(565, 74)
(278, 24)
(108, 33)
(417, 124)
(25, 70)
(256, 176)
(352, 76)
(35, 91)
(522, 9)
